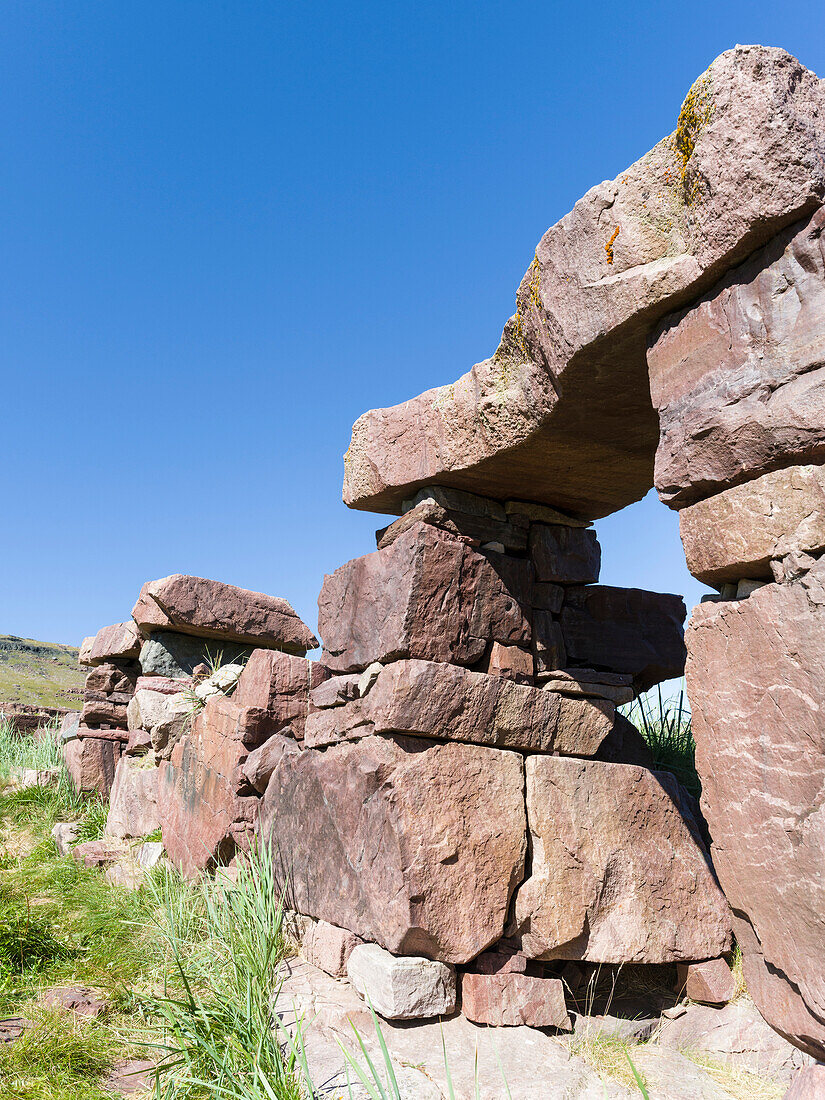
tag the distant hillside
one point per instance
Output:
(40, 673)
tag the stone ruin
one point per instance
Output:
(448, 791)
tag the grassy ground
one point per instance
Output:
(39, 673)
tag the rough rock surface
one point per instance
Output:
(446, 702)
(279, 684)
(328, 947)
(808, 1084)
(168, 653)
(428, 595)
(511, 999)
(564, 555)
(413, 844)
(133, 803)
(205, 816)
(738, 533)
(211, 609)
(617, 876)
(121, 640)
(735, 1034)
(738, 378)
(758, 695)
(407, 988)
(91, 762)
(551, 409)
(625, 630)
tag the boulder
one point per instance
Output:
(113, 676)
(754, 676)
(176, 656)
(710, 983)
(119, 641)
(446, 702)
(278, 684)
(509, 999)
(566, 395)
(91, 762)
(617, 876)
(210, 609)
(99, 853)
(738, 377)
(133, 803)
(401, 988)
(102, 711)
(328, 947)
(205, 815)
(85, 651)
(739, 532)
(625, 630)
(414, 844)
(428, 595)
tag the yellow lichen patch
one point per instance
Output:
(609, 246)
(534, 299)
(695, 114)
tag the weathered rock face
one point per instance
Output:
(755, 681)
(710, 982)
(739, 378)
(133, 804)
(410, 843)
(279, 684)
(564, 555)
(738, 533)
(207, 810)
(625, 630)
(121, 640)
(176, 656)
(91, 762)
(446, 702)
(428, 595)
(210, 609)
(549, 413)
(617, 875)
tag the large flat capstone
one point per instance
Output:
(211, 609)
(413, 844)
(565, 397)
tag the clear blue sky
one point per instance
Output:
(230, 228)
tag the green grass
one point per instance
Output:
(42, 673)
(19, 751)
(665, 725)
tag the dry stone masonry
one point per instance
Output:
(453, 803)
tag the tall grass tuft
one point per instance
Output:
(665, 725)
(23, 750)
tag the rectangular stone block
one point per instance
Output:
(446, 702)
(402, 988)
(428, 595)
(509, 999)
(278, 684)
(736, 534)
(625, 630)
(133, 803)
(739, 378)
(91, 762)
(412, 844)
(121, 640)
(617, 875)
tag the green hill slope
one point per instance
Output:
(41, 673)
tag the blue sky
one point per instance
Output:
(229, 228)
